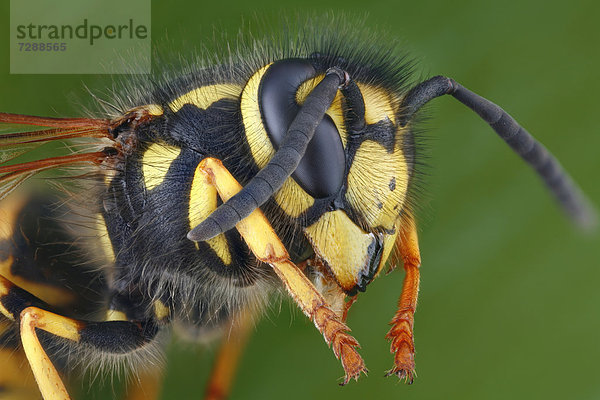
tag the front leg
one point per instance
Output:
(262, 240)
(401, 334)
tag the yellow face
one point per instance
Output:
(355, 236)
(356, 242)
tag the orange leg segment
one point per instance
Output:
(262, 240)
(401, 334)
(146, 385)
(228, 357)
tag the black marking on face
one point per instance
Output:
(366, 275)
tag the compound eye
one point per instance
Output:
(321, 170)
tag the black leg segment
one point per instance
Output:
(116, 337)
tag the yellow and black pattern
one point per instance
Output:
(39, 255)
(47, 283)
(288, 164)
(40, 265)
(151, 194)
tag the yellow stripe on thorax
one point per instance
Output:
(115, 315)
(291, 197)
(204, 96)
(156, 162)
(154, 110)
(103, 238)
(161, 311)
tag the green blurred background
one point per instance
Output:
(509, 303)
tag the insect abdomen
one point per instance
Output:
(37, 254)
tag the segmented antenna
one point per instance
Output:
(269, 179)
(562, 187)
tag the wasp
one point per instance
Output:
(287, 166)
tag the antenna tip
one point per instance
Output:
(207, 229)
